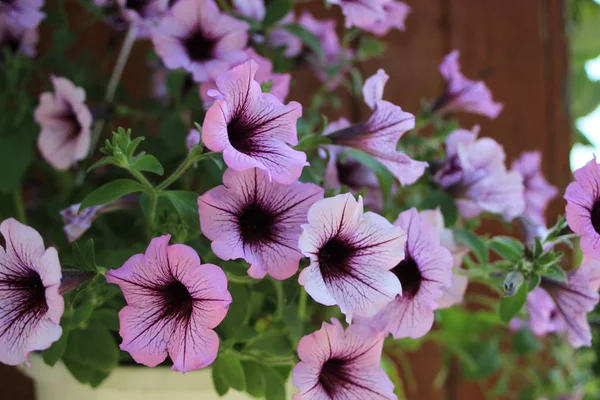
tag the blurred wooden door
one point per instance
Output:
(519, 47)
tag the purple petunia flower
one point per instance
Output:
(253, 9)
(281, 37)
(344, 170)
(196, 36)
(22, 13)
(278, 84)
(456, 292)
(362, 13)
(30, 304)
(65, 120)
(17, 39)
(583, 207)
(192, 139)
(173, 304)
(423, 273)
(378, 136)
(145, 14)
(538, 192)
(260, 221)
(395, 16)
(543, 315)
(252, 128)
(463, 94)
(341, 365)
(475, 174)
(351, 254)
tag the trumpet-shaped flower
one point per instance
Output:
(173, 304)
(258, 220)
(351, 254)
(30, 304)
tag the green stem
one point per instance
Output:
(280, 298)
(19, 205)
(113, 83)
(191, 158)
(272, 361)
(152, 210)
(302, 305)
(239, 279)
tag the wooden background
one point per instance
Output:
(517, 46)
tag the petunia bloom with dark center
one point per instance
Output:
(173, 304)
(351, 254)
(258, 220)
(30, 304)
(16, 38)
(253, 129)
(424, 273)
(339, 365)
(197, 36)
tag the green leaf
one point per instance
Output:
(508, 248)
(369, 47)
(16, 153)
(231, 370)
(534, 281)
(84, 256)
(384, 176)
(483, 359)
(555, 272)
(276, 10)
(106, 318)
(525, 342)
(510, 306)
(273, 342)
(221, 387)
(93, 347)
(186, 205)
(443, 200)
(238, 310)
(473, 242)
(84, 373)
(255, 380)
(109, 192)
(275, 385)
(148, 163)
(56, 351)
(307, 37)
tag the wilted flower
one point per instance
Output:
(341, 365)
(379, 135)
(173, 304)
(583, 207)
(260, 221)
(423, 273)
(455, 293)
(252, 128)
(574, 299)
(344, 170)
(363, 13)
(538, 192)
(395, 16)
(65, 120)
(271, 82)
(196, 36)
(463, 94)
(475, 174)
(17, 39)
(143, 13)
(30, 305)
(22, 13)
(351, 254)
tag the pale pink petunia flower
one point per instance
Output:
(192, 139)
(344, 170)
(258, 220)
(424, 272)
(197, 37)
(396, 13)
(379, 135)
(30, 304)
(253, 129)
(253, 9)
(538, 192)
(65, 120)
(475, 174)
(173, 304)
(22, 13)
(351, 253)
(340, 365)
(583, 207)
(278, 84)
(281, 37)
(463, 94)
(456, 292)
(543, 315)
(362, 13)
(17, 39)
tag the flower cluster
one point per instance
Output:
(297, 219)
